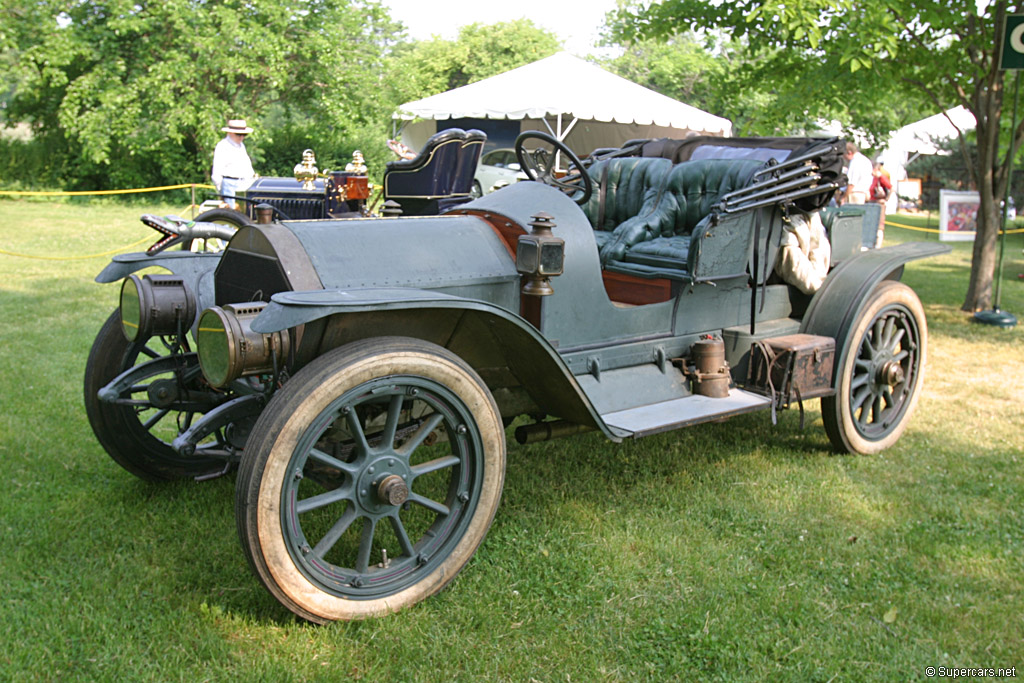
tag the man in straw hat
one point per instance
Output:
(232, 168)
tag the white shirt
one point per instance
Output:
(231, 160)
(859, 175)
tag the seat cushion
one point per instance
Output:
(661, 252)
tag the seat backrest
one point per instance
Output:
(469, 157)
(698, 186)
(432, 173)
(627, 187)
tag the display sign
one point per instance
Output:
(958, 215)
(1013, 43)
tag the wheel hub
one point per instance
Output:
(392, 490)
(383, 485)
(890, 373)
(163, 393)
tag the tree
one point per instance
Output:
(934, 53)
(705, 72)
(480, 51)
(132, 90)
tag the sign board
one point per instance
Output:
(958, 215)
(1013, 43)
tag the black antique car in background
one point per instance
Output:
(437, 178)
(361, 373)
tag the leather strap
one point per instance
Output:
(601, 197)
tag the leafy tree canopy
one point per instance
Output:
(113, 80)
(428, 67)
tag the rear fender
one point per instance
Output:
(509, 354)
(836, 307)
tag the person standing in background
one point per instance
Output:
(879, 193)
(232, 168)
(858, 174)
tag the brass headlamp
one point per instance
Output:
(229, 349)
(155, 305)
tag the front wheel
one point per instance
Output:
(137, 429)
(880, 374)
(370, 479)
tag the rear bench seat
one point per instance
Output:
(658, 244)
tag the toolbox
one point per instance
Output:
(792, 367)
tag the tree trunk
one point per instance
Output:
(991, 185)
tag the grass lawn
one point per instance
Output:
(733, 551)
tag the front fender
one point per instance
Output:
(196, 268)
(837, 305)
(502, 347)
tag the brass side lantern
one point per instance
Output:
(540, 256)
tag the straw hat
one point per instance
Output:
(237, 126)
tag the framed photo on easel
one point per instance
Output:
(958, 215)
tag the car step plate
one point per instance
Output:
(682, 412)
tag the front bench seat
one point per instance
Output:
(626, 190)
(693, 189)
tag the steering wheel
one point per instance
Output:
(539, 164)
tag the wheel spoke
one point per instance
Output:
(889, 329)
(435, 465)
(387, 439)
(402, 535)
(335, 532)
(322, 499)
(859, 398)
(330, 461)
(414, 441)
(365, 545)
(356, 426)
(439, 508)
(146, 351)
(151, 422)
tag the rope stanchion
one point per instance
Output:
(97, 193)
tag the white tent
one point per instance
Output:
(574, 100)
(923, 137)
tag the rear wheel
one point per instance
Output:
(370, 479)
(137, 429)
(881, 373)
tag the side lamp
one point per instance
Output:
(540, 256)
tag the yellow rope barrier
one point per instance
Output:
(86, 257)
(83, 193)
(935, 230)
(76, 258)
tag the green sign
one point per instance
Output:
(1013, 43)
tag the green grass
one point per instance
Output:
(734, 551)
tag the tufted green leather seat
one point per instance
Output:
(692, 190)
(632, 189)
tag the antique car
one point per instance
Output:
(361, 374)
(438, 177)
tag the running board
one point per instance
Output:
(683, 412)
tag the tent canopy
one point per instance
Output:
(578, 102)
